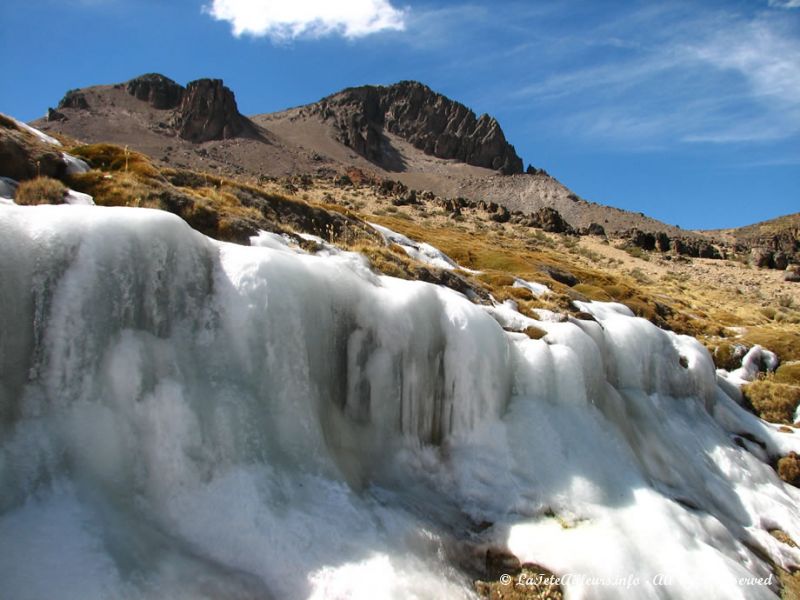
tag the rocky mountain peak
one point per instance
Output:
(429, 121)
(208, 111)
(157, 90)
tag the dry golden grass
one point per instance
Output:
(789, 469)
(773, 402)
(109, 157)
(42, 190)
(784, 342)
(788, 373)
(7, 122)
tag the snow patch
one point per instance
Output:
(39, 134)
(424, 253)
(537, 289)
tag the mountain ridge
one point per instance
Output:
(404, 131)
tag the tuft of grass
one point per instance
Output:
(788, 373)
(773, 402)
(784, 343)
(534, 333)
(42, 190)
(637, 252)
(109, 157)
(789, 469)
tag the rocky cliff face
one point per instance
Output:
(429, 121)
(208, 111)
(158, 91)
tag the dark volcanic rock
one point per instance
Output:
(596, 229)
(549, 219)
(761, 258)
(54, 116)
(208, 111)
(662, 242)
(74, 99)
(158, 91)
(642, 239)
(781, 260)
(429, 121)
(561, 276)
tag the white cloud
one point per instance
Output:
(702, 77)
(785, 3)
(289, 19)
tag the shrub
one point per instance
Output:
(42, 190)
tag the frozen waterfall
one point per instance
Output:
(182, 418)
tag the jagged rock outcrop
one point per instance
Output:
(208, 111)
(74, 99)
(429, 121)
(55, 116)
(160, 92)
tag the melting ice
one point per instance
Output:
(182, 418)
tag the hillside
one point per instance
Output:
(446, 149)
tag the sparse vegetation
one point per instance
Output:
(774, 402)
(42, 190)
(789, 469)
(7, 122)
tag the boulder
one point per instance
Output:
(24, 157)
(792, 273)
(761, 258)
(662, 242)
(780, 260)
(596, 229)
(549, 219)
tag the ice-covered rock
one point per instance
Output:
(78, 198)
(757, 360)
(75, 165)
(421, 251)
(40, 135)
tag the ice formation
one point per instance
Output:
(420, 251)
(537, 289)
(75, 165)
(43, 137)
(182, 418)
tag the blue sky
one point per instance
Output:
(686, 111)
